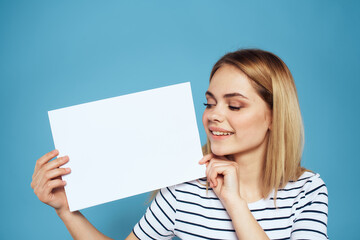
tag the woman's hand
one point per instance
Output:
(49, 187)
(222, 174)
(47, 182)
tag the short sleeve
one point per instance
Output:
(311, 211)
(159, 219)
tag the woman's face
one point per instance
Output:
(236, 118)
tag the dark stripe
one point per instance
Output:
(171, 193)
(163, 212)
(167, 201)
(145, 232)
(322, 185)
(199, 225)
(291, 197)
(322, 193)
(207, 198)
(307, 204)
(203, 188)
(276, 218)
(276, 229)
(158, 220)
(309, 230)
(273, 208)
(310, 219)
(211, 218)
(295, 203)
(289, 189)
(310, 203)
(196, 235)
(317, 202)
(154, 228)
(203, 180)
(222, 209)
(300, 179)
(313, 211)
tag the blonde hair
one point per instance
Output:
(274, 83)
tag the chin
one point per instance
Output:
(220, 151)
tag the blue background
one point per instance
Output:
(55, 54)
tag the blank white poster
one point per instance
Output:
(127, 145)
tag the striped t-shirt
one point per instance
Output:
(189, 212)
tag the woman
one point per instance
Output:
(258, 189)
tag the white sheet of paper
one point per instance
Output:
(127, 145)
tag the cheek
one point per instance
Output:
(251, 126)
(204, 119)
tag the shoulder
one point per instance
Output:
(310, 207)
(309, 183)
(308, 190)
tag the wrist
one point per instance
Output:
(237, 206)
(63, 213)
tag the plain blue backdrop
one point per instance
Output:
(55, 54)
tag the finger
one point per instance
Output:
(43, 192)
(220, 182)
(57, 172)
(56, 163)
(40, 177)
(44, 159)
(213, 175)
(210, 163)
(206, 158)
(52, 175)
(51, 185)
(215, 162)
(219, 169)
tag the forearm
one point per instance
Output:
(79, 227)
(245, 225)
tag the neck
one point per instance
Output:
(251, 165)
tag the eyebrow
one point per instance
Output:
(228, 95)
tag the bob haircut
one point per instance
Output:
(274, 83)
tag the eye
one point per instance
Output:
(207, 105)
(234, 108)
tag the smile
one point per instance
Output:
(217, 133)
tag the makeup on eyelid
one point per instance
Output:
(231, 107)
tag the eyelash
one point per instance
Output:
(230, 107)
(208, 105)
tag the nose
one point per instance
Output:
(215, 115)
